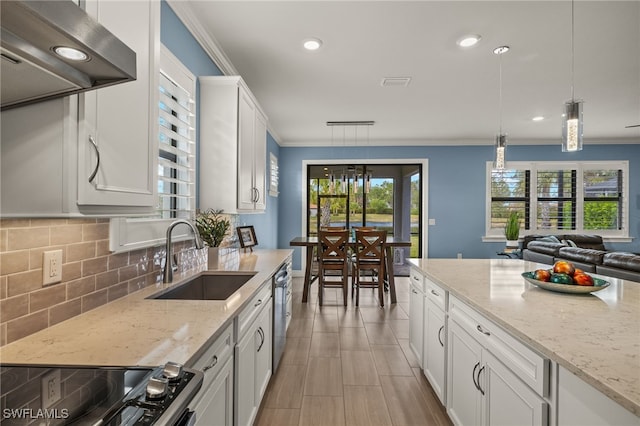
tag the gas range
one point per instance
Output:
(98, 396)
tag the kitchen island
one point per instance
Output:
(137, 331)
(594, 336)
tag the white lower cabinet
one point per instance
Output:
(482, 386)
(214, 403)
(253, 364)
(434, 348)
(416, 309)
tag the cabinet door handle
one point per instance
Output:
(480, 387)
(482, 330)
(258, 303)
(257, 197)
(414, 291)
(439, 338)
(435, 293)
(261, 333)
(473, 375)
(214, 361)
(95, 148)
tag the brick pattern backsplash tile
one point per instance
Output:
(91, 275)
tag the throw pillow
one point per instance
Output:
(569, 243)
(550, 239)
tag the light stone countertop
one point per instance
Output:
(135, 331)
(596, 336)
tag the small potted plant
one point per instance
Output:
(512, 230)
(212, 226)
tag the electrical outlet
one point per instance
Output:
(459, 255)
(432, 222)
(51, 388)
(51, 267)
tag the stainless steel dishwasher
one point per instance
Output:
(281, 287)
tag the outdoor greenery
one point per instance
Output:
(557, 196)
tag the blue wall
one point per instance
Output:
(175, 36)
(456, 188)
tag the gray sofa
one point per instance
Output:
(586, 252)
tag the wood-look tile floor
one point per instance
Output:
(344, 365)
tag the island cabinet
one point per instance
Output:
(434, 353)
(581, 404)
(233, 147)
(50, 150)
(416, 309)
(492, 377)
(253, 356)
(214, 403)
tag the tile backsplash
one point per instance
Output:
(91, 275)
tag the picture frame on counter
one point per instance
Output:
(247, 237)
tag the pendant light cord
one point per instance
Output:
(572, 51)
(500, 92)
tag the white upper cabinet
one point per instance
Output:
(50, 149)
(122, 120)
(233, 147)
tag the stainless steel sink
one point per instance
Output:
(206, 287)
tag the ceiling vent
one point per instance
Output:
(395, 81)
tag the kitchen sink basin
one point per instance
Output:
(206, 287)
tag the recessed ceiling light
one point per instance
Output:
(468, 40)
(538, 118)
(312, 44)
(70, 53)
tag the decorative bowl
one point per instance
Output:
(567, 288)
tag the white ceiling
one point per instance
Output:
(453, 96)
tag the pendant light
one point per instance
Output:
(355, 182)
(572, 118)
(501, 138)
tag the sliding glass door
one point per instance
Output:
(385, 196)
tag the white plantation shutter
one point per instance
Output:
(176, 162)
(553, 197)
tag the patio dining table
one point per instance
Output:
(311, 242)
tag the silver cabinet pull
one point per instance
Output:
(95, 147)
(261, 333)
(214, 361)
(473, 375)
(435, 293)
(439, 334)
(258, 303)
(480, 387)
(483, 331)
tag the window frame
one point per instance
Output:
(621, 235)
(132, 233)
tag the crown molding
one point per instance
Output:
(208, 42)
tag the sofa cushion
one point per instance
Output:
(622, 260)
(582, 255)
(545, 247)
(585, 241)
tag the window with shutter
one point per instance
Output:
(176, 141)
(558, 197)
(176, 162)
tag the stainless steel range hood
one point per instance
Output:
(31, 71)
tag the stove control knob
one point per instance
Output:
(172, 371)
(157, 387)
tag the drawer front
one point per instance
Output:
(215, 357)
(253, 309)
(417, 279)
(436, 294)
(528, 365)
